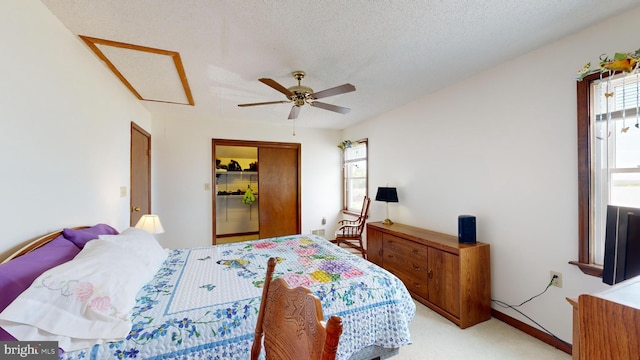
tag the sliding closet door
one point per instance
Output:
(279, 180)
(278, 188)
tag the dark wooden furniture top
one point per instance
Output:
(422, 236)
(292, 323)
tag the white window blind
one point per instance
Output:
(615, 149)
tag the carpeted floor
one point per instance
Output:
(436, 338)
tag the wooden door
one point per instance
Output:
(279, 183)
(444, 280)
(140, 174)
(374, 245)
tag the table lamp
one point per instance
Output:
(387, 194)
(150, 223)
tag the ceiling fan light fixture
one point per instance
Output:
(300, 90)
(301, 95)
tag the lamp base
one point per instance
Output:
(387, 222)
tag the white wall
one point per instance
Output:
(507, 155)
(66, 154)
(182, 165)
(501, 146)
(64, 129)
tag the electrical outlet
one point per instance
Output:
(555, 281)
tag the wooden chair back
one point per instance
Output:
(364, 213)
(292, 323)
(350, 234)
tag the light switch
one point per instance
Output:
(123, 191)
(207, 186)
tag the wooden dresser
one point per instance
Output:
(451, 278)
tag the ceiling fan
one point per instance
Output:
(301, 95)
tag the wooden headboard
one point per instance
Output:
(34, 244)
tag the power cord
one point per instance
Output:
(535, 296)
(513, 307)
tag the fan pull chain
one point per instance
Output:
(294, 127)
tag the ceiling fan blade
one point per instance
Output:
(333, 91)
(265, 103)
(274, 84)
(295, 110)
(338, 109)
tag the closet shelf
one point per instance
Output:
(218, 172)
(234, 196)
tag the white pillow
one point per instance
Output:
(144, 244)
(89, 299)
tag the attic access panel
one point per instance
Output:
(150, 74)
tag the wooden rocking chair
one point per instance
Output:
(292, 323)
(350, 231)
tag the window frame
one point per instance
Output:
(345, 207)
(584, 106)
(583, 92)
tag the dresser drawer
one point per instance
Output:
(407, 264)
(416, 282)
(405, 248)
(408, 261)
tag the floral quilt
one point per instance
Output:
(203, 303)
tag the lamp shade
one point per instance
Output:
(151, 224)
(388, 194)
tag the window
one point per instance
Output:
(608, 155)
(355, 175)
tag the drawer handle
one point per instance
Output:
(390, 256)
(416, 251)
(416, 285)
(430, 274)
(416, 268)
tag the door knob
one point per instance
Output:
(135, 209)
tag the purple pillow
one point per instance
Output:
(5, 336)
(82, 236)
(18, 274)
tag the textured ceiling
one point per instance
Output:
(392, 51)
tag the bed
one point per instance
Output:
(196, 303)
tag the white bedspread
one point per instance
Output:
(203, 303)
